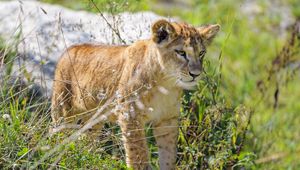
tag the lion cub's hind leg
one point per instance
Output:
(61, 97)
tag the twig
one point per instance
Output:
(110, 26)
(274, 157)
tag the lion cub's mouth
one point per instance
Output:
(187, 84)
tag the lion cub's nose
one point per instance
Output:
(194, 75)
(195, 69)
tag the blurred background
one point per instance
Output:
(245, 115)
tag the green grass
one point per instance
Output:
(113, 7)
(214, 132)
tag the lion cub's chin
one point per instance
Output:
(187, 85)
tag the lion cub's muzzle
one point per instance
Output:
(195, 69)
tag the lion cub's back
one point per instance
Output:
(87, 60)
(84, 71)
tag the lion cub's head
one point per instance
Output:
(182, 49)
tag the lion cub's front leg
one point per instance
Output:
(137, 156)
(166, 133)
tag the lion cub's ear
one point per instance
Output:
(162, 30)
(208, 32)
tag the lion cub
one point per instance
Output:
(143, 82)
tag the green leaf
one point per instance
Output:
(23, 152)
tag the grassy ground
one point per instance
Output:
(214, 121)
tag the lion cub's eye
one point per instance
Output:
(181, 53)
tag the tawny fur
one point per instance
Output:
(145, 78)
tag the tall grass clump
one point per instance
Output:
(212, 132)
